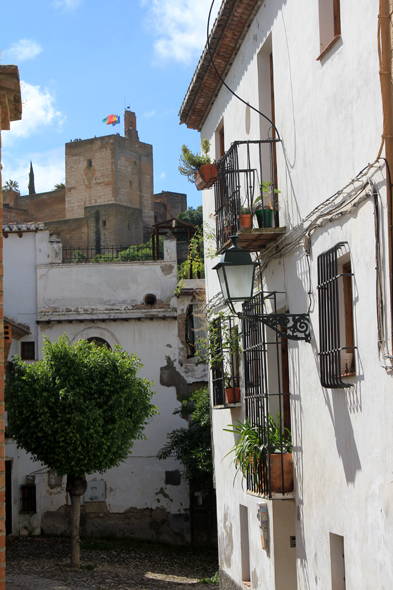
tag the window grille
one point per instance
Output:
(335, 312)
(225, 363)
(265, 372)
(27, 351)
(28, 498)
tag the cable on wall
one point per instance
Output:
(226, 85)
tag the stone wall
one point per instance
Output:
(168, 205)
(39, 207)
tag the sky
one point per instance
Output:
(82, 60)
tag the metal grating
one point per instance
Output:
(241, 171)
(263, 367)
(330, 349)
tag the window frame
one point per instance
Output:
(24, 346)
(335, 26)
(333, 310)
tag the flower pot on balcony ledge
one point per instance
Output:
(245, 220)
(232, 395)
(206, 176)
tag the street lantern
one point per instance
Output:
(236, 273)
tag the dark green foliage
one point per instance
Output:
(79, 409)
(190, 162)
(192, 445)
(194, 216)
(11, 185)
(59, 186)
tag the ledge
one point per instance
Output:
(328, 46)
(254, 239)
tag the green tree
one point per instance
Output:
(59, 186)
(11, 185)
(192, 446)
(78, 411)
(192, 215)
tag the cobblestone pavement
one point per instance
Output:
(44, 563)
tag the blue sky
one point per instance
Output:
(81, 60)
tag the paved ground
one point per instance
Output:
(37, 563)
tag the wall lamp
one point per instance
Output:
(236, 273)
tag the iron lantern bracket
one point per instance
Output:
(293, 326)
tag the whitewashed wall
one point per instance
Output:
(108, 301)
(329, 115)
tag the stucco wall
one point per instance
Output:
(329, 115)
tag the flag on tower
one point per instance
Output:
(112, 120)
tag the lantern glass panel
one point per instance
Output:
(240, 280)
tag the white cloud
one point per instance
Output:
(49, 169)
(68, 4)
(180, 27)
(38, 111)
(22, 50)
(162, 176)
(149, 114)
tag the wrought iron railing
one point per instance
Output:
(266, 399)
(109, 254)
(246, 172)
(224, 363)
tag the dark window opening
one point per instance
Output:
(89, 163)
(336, 328)
(27, 351)
(104, 223)
(28, 498)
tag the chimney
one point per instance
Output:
(130, 126)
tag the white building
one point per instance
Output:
(312, 69)
(132, 304)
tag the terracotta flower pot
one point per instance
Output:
(245, 220)
(232, 395)
(206, 176)
(276, 475)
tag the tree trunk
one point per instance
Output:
(76, 487)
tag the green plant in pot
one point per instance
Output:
(251, 452)
(222, 348)
(266, 204)
(198, 168)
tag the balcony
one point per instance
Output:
(247, 181)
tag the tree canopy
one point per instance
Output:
(192, 446)
(11, 185)
(192, 215)
(80, 408)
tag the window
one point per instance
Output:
(28, 498)
(27, 351)
(329, 24)
(104, 223)
(89, 163)
(336, 328)
(224, 353)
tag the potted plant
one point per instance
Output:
(245, 217)
(251, 452)
(221, 348)
(199, 169)
(267, 204)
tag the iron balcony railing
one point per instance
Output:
(109, 254)
(246, 172)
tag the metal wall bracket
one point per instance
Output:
(293, 326)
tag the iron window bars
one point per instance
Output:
(330, 353)
(109, 254)
(241, 171)
(263, 366)
(224, 364)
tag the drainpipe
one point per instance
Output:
(385, 34)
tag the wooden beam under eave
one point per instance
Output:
(10, 96)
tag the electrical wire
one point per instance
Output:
(226, 85)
